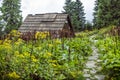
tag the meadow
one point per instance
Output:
(58, 59)
(43, 59)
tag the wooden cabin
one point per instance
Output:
(58, 24)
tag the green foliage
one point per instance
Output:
(43, 59)
(86, 33)
(0, 30)
(1, 26)
(76, 11)
(107, 12)
(110, 55)
(11, 14)
(88, 26)
(95, 14)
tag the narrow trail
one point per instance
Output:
(92, 66)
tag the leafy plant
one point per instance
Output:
(56, 59)
(110, 52)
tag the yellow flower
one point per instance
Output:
(34, 59)
(26, 54)
(7, 41)
(50, 45)
(21, 55)
(54, 65)
(47, 33)
(15, 33)
(57, 41)
(47, 55)
(13, 75)
(7, 46)
(16, 52)
(19, 41)
(36, 35)
(41, 35)
(53, 61)
(75, 73)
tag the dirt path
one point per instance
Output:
(92, 67)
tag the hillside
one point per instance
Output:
(91, 55)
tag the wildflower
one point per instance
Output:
(7, 41)
(58, 41)
(16, 52)
(75, 73)
(19, 41)
(21, 56)
(50, 45)
(15, 33)
(34, 59)
(26, 54)
(47, 33)
(36, 35)
(13, 75)
(41, 35)
(53, 61)
(54, 65)
(7, 46)
(47, 55)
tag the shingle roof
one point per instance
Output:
(48, 21)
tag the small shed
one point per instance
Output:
(58, 24)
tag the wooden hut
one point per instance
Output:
(58, 24)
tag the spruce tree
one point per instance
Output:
(1, 28)
(67, 7)
(76, 12)
(81, 14)
(108, 13)
(95, 14)
(115, 12)
(100, 13)
(11, 14)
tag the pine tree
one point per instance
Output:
(81, 14)
(0, 30)
(1, 27)
(104, 16)
(11, 14)
(108, 13)
(115, 12)
(76, 12)
(95, 14)
(67, 7)
(88, 25)
(100, 13)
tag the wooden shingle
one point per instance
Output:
(46, 22)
